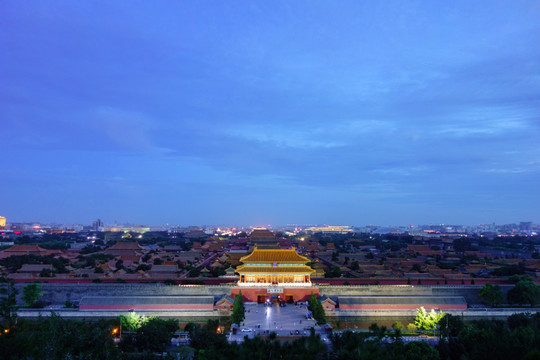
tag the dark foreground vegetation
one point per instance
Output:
(54, 337)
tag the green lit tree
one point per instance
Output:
(427, 320)
(397, 326)
(132, 321)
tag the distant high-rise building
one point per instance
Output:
(97, 224)
(2, 222)
(525, 225)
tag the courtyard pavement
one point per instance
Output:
(263, 320)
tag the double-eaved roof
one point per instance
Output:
(265, 270)
(125, 248)
(270, 256)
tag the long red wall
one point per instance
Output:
(149, 307)
(400, 307)
(323, 281)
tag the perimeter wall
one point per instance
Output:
(469, 292)
(59, 293)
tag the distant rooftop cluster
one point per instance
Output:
(430, 254)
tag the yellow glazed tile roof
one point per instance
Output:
(269, 256)
(274, 270)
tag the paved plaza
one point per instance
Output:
(262, 320)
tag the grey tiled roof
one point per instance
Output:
(226, 297)
(401, 300)
(146, 300)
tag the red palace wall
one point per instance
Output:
(401, 307)
(252, 294)
(328, 306)
(149, 307)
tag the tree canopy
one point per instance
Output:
(8, 305)
(427, 320)
(238, 310)
(524, 292)
(491, 294)
(54, 337)
(316, 308)
(31, 293)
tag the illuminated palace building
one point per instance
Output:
(270, 273)
(281, 267)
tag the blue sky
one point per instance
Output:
(257, 112)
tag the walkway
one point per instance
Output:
(289, 320)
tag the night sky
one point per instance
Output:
(270, 112)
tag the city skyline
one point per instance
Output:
(258, 113)
(104, 225)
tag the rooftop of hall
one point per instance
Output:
(126, 245)
(261, 233)
(27, 249)
(274, 255)
(303, 269)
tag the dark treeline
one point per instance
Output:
(57, 338)
(516, 338)
(14, 263)
(54, 338)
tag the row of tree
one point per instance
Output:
(525, 291)
(516, 338)
(377, 345)
(54, 337)
(207, 344)
(8, 302)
